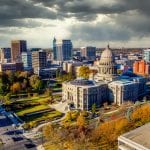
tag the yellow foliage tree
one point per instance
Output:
(81, 122)
(48, 131)
(16, 87)
(141, 115)
(84, 72)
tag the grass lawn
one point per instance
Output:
(44, 116)
(25, 106)
(22, 112)
(41, 99)
(34, 120)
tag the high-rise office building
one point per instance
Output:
(54, 49)
(5, 55)
(17, 47)
(147, 55)
(27, 60)
(88, 52)
(39, 61)
(62, 50)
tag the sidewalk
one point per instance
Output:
(40, 147)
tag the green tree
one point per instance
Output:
(3, 87)
(11, 76)
(84, 72)
(94, 108)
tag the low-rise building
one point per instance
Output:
(11, 67)
(71, 66)
(82, 93)
(137, 139)
(122, 91)
(147, 55)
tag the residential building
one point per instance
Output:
(5, 55)
(137, 139)
(141, 67)
(26, 58)
(17, 47)
(39, 61)
(62, 50)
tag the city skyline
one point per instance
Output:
(122, 23)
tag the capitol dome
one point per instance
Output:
(107, 56)
(107, 69)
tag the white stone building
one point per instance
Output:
(107, 85)
(82, 93)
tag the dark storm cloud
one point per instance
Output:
(97, 6)
(100, 32)
(28, 23)
(131, 14)
(129, 18)
(18, 9)
(83, 9)
(12, 13)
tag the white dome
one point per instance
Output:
(107, 56)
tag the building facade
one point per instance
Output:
(71, 66)
(107, 85)
(147, 55)
(107, 68)
(26, 58)
(123, 91)
(39, 61)
(88, 52)
(141, 68)
(11, 67)
(82, 93)
(17, 47)
(62, 50)
(5, 55)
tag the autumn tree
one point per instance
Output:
(84, 72)
(141, 115)
(48, 131)
(81, 122)
(16, 88)
(35, 82)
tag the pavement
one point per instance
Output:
(13, 138)
(61, 106)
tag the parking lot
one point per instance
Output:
(11, 137)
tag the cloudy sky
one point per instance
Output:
(122, 23)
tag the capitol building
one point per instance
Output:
(106, 86)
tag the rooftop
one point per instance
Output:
(139, 136)
(82, 82)
(122, 82)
